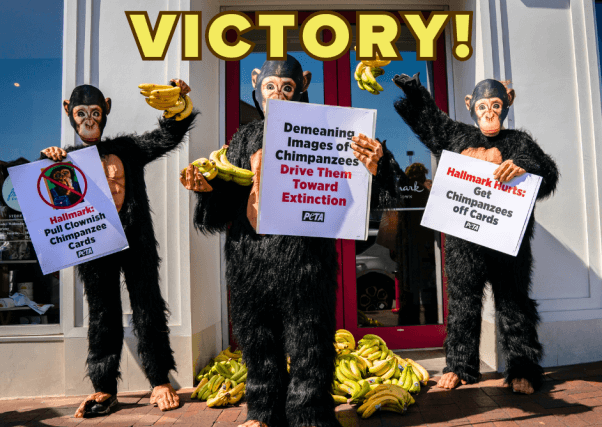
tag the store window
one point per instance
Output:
(30, 118)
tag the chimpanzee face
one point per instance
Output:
(488, 111)
(489, 105)
(87, 119)
(283, 80)
(87, 110)
(63, 176)
(273, 87)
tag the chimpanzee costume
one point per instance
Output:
(124, 159)
(282, 288)
(470, 266)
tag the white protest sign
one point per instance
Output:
(467, 202)
(68, 209)
(311, 183)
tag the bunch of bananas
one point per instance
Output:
(386, 398)
(219, 166)
(227, 171)
(360, 371)
(344, 341)
(222, 381)
(168, 98)
(364, 320)
(366, 73)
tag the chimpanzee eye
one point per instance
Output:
(270, 86)
(482, 107)
(80, 114)
(288, 88)
(496, 105)
(96, 114)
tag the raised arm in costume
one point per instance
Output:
(124, 159)
(470, 266)
(282, 288)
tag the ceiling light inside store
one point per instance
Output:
(17, 84)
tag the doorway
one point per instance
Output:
(391, 284)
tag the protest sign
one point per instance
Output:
(68, 209)
(467, 202)
(311, 183)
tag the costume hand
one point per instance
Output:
(508, 170)
(193, 179)
(182, 85)
(54, 153)
(165, 397)
(368, 151)
(405, 82)
(89, 401)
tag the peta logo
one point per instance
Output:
(313, 216)
(84, 252)
(471, 226)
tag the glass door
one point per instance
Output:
(392, 283)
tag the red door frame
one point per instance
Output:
(337, 74)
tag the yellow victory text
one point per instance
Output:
(376, 32)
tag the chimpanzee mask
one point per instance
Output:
(87, 110)
(284, 80)
(489, 105)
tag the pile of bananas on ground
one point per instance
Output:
(222, 381)
(167, 98)
(217, 165)
(364, 320)
(366, 73)
(374, 375)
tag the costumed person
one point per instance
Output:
(282, 288)
(124, 159)
(468, 265)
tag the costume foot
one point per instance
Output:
(95, 405)
(521, 385)
(449, 380)
(253, 423)
(165, 397)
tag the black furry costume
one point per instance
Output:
(139, 264)
(469, 266)
(282, 297)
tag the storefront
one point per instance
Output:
(393, 283)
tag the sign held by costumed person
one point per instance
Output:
(311, 183)
(68, 209)
(467, 202)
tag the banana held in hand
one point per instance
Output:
(187, 109)
(227, 171)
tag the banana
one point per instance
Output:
(375, 355)
(150, 86)
(178, 107)
(231, 354)
(361, 85)
(358, 71)
(187, 110)
(339, 399)
(173, 100)
(374, 404)
(235, 398)
(374, 380)
(407, 383)
(236, 171)
(340, 376)
(354, 368)
(198, 388)
(166, 92)
(420, 371)
(364, 389)
(355, 387)
(217, 383)
(389, 374)
(168, 115)
(380, 368)
(371, 80)
(241, 373)
(224, 176)
(415, 388)
(348, 372)
(156, 105)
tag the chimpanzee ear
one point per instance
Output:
(306, 80)
(511, 96)
(108, 101)
(467, 100)
(66, 106)
(254, 75)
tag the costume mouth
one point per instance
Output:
(89, 140)
(490, 132)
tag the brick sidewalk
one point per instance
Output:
(571, 396)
